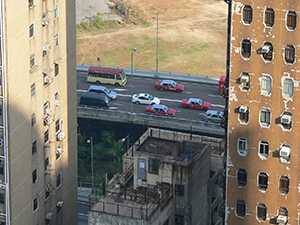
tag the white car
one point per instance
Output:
(145, 98)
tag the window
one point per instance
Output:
(55, 40)
(1, 198)
(34, 176)
(46, 164)
(243, 146)
(1, 168)
(44, 52)
(32, 60)
(35, 204)
(47, 192)
(266, 51)
(247, 14)
(288, 87)
(284, 184)
(264, 148)
(58, 152)
(30, 3)
(32, 87)
(262, 181)
(58, 209)
(241, 178)
(266, 84)
(179, 219)
(240, 208)
(57, 99)
(246, 48)
(282, 211)
(289, 54)
(282, 215)
(291, 20)
(58, 180)
(31, 30)
(57, 126)
(244, 80)
(33, 119)
(269, 17)
(34, 148)
(265, 117)
(179, 189)
(153, 165)
(244, 114)
(56, 68)
(261, 212)
(46, 137)
(55, 11)
(47, 108)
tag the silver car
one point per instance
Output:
(214, 116)
(102, 90)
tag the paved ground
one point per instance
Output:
(87, 9)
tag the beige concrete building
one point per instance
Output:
(38, 153)
(262, 89)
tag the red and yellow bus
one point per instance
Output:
(102, 75)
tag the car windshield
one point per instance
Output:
(174, 84)
(106, 91)
(150, 97)
(123, 75)
(166, 109)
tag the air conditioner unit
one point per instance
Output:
(48, 111)
(60, 136)
(58, 150)
(49, 216)
(285, 151)
(245, 79)
(60, 204)
(48, 120)
(49, 187)
(281, 219)
(57, 102)
(243, 109)
(49, 167)
(265, 49)
(48, 80)
(286, 119)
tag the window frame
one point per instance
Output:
(35, 204)
(240, 208)
(46, 164)
(264, 148)
(153, 165)
(242, 146)
(57, 126)
(58, 180)
(244, 116)
(247, 14)
(56, 69)
(266, 84)
(55, 11)
(46, 137)
(261, 212)
(56, 40)
(288, 87)
(30, 3)
(32, 89)
(33, 119)
(262, 181)
(269, 17)
(179, 189)
(32, 60)
(265, 117)
(34, 147)
(34, 176)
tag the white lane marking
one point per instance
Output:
(113, 107)
(170, 100)
(188, 92)
(124, 95)
(216, 96)
(120, 89)
(222, 106)
(81, 90)
(201, 114)
(82, 214)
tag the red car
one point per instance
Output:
(160, 110)
(195, 103)
(169, 85)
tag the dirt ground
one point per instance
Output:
(192, 38)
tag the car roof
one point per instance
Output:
(100, 69)
(214, 112)
(143, 94)
(194, 99)
(95, 87)
(168, 81)
(159, 106)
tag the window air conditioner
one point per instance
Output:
(49, 216)
(60, 136)
(60, 204)
(265, 49)
(48, 120)
(49, 167)
(57, 102)
(243, 109)
(58, 150)
(281, 219)
(285, 151)
(245, 79)
(286, 119)
(48, 80)
(49, 187)
(48, 111)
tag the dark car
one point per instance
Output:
(99, 100)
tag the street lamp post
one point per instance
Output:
(92, 159)
(156, 16)
(132, 77)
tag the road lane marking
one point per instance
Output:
(216, 96)
(170, 100)
(222, 106)
(81, 90)
(120, 89)
(113, 107)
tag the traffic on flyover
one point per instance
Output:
(195, 87)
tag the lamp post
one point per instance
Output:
(132, 77)
(123, 140)
(92, 158)
(156, 16)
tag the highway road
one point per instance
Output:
(173, 100)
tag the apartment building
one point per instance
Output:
(262, 88)
(38, 147)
